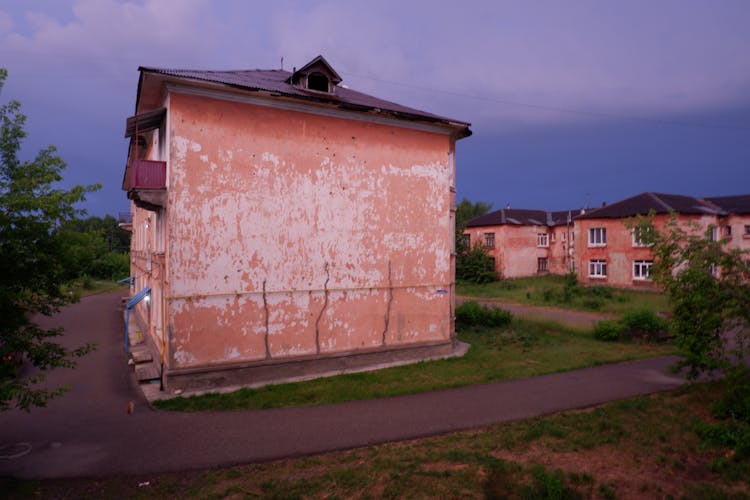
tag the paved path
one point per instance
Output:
(573, 318)
(88, 432)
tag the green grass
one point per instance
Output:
(84, 287)
(525, 348)
(549, 290)
(643, 447)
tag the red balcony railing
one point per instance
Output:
(148, 174)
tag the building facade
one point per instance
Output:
(288, 226)
(525, 242)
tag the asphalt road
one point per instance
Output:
(88, 432)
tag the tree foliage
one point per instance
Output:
(32, 211)
(709, 289)
(465, 211)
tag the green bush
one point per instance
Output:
(600, 291)
(643, 320)
(593, 303)
(474, 314)
(608, 330)
(111, 266)
(475, 266)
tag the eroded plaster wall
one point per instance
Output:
(294, 234)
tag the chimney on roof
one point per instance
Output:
(507, 206)
(604, 204)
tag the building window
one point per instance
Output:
(564, 237)
(597, 236)
(747, 232)
(598, 268)
(713, 233)
(542, 240)
(541, 265)
(317, 81)
(641, 235)
(728, 231)
(642, 269)
(489, 240)
(464, 242)
(552, 237)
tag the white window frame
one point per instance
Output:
(597, 237)
(713, 232)
(642, 270)
(598, 268)
(563, 237)
(542, 240)
(552, 237)
(747, 231)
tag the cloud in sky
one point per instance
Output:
(482, 62)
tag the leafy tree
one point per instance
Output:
(32, 211)
(709, 288)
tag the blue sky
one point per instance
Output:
(571, 103)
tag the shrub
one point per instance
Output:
(643, 320)
(476, 266)
(608, 330)
(593, 303)
(474, 314)
(111, 265)
(603, 292)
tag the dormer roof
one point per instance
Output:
(318, 65)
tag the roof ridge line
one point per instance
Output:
(660, 201)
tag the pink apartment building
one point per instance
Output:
(611, 254)
(525, 242)
(286, 226)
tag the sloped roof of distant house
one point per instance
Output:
(521, 217)
(291, 85)
(737, 204)
(660, 203)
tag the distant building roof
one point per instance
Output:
(280, 83)
(738, 204)
(660, 203)
(522, 217)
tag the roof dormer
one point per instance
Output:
(317, 76)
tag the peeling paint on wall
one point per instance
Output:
(293, 234)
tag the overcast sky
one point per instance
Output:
(571, 103)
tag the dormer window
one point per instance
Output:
(317, 75)
(317, 81)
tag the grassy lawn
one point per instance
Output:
(525, 348)
(644, 447)
(549, 290)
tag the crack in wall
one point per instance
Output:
(322, 310)
(390, 302)
(265, 310)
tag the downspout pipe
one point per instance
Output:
(146, 292)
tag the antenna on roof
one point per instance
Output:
(282, 63)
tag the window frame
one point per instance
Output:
(641, 265)
(542, 240)
(489, 240)
(598, 268)
(637, 238)
(542, 265)
(602, 237)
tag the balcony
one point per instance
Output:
(146, 183)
